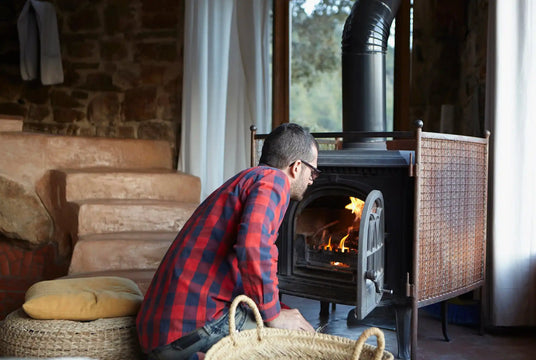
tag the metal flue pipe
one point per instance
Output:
(364, 45)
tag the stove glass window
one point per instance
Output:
(327, 236)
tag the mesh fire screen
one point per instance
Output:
(450, 215)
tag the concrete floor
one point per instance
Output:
(465, 341)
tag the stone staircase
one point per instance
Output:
(126, 218)
(117, 204)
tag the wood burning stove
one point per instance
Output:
(333, 243)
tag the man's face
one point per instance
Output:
(304, 178)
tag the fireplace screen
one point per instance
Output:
(339, 236)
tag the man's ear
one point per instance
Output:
(294, 169)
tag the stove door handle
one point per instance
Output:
(373, 276)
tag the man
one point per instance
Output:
(227, 248)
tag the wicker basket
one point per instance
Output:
(106, 339)
(270, 343)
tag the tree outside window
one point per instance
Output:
(315, 64)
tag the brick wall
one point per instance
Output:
(122, 62)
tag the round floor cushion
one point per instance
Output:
(111, 338)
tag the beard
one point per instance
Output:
(298, 187)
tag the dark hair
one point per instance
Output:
(287, 143)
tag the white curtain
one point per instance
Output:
(226, 86)
(511, 115)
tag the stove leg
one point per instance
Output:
(403, 330)
(324, 308)
(444, 319)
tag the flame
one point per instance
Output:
(339, 264)
(356, 206)
(328, 246)
(341, 244)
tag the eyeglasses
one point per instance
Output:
(314, 171)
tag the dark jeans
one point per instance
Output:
(202, 339)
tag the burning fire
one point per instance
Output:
(341, 244)
(328, 246)
(339, 264)
(356, 206)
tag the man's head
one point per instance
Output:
(293, 149)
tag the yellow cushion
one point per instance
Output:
(88, 298)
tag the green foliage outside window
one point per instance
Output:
(316, 88)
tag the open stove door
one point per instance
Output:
(371, 255)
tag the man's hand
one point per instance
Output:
(290, 319)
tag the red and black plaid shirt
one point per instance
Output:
(225, 249)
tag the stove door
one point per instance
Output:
(371, 255)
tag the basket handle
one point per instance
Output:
(232, 310)
(364, 336)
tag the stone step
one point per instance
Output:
(120, 251)
(108, 183)
(28, 156)
(112, 215)
(10, 123)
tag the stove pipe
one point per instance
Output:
(364, 44)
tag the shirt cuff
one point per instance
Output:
(271, 312)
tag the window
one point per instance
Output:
(306, 64)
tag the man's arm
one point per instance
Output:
(264, 205)
(257, 253)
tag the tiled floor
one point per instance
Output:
(466, 342)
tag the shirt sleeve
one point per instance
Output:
(265, 206)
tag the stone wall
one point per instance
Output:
(122, 62)
(449, 65)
